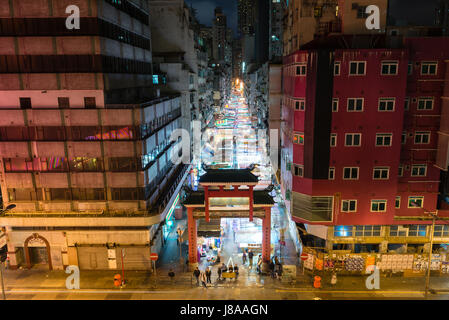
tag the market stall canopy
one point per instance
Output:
(209, 229)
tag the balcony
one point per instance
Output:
(148, 129)
(171, 185)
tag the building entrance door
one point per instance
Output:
(38, 255)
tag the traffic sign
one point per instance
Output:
(304, 256)
(154, 257)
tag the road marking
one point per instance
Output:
(15, 291)
(358, 292)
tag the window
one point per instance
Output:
(355, 104)
(348, 205)
(389, 68)
(400, 171)
(361, 12)
(25, 103)
(83, 164)
(351, 173)
(417, 231)
(380, 173)
(331, 173)
(343, 231)
(367, 231)
(60, 194)
(407, 104)
(127, 194)
(298, 170)
(441, 231)
(90, 103)
(353, 139)
(301, 70)
(422, 137)
(397, 231)
(404, 137)
(425, 104)
(415, 202)
(383, 139)
(429, 68)
(357, 67)
(378, 205)
(386, 104)
(123, 164)
(419, 170)
(397, 202)
(335, 102)
(410, 68)
(337, 66)
(19, 194)
(156, 79)
(63, 102)
(88, 194)
(333, 139)
(300, 105)
(298, 138)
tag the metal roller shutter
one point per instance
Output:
(93, 258)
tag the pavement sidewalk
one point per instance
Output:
(140, 280)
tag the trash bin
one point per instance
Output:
(317, 282)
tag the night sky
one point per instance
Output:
(416, 12)
(205, 11)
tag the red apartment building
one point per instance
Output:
(360, 131)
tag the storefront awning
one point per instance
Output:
(209, 229)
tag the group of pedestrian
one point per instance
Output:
(223, 268)
(248, 257)
(203, 276)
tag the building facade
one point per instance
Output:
(86, 144)
(360, 139)
(305, 21)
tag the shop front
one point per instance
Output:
(209, 240)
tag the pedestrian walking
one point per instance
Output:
(203, 279)
(244, 257)
(273, 275)
(278, 270)
(219, 271)
(208, 275)
(171, 274)
(334, 280)
(259, 264)
(250, 257)
(178, 231)
(236, 271)
(197, 273)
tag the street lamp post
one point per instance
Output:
(10, 207)
(3, 282)
(434, 216)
